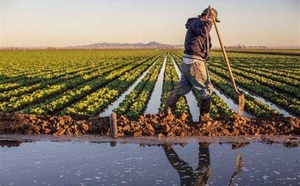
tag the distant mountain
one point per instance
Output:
(152, 45)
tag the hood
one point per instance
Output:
(189, 21)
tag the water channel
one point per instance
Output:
(154, 102)
(272, 105)
(110, 109)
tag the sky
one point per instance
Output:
(58, 23)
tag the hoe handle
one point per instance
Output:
(225, 56)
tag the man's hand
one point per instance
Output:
(212, 14)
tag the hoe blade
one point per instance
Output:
(241, 104)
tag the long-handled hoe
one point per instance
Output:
(241, 95)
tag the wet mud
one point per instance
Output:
(148, 125)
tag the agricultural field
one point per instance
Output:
(83, 82)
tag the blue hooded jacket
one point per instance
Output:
(196, 37)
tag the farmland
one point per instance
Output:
(88, 82)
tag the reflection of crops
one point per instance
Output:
(87, 82)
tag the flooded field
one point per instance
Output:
(93, 160)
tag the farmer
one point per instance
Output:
(188, 175)
(194, 70)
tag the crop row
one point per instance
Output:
(111, 82)
(135, 103)
(286, 66)
(253, 82)
(19, 67)
(261, 60)
(42, 83)
(252, 105)
(290, 103)
(282, 79)
(102, 98)
(284, 72)
(263, 80)
(84, 82)
(292, 52)
(87, 82)
(85, 73)
(60, 72)
(264, 73)
(20, 79)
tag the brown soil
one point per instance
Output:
(147, 125)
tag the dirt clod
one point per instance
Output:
(148, 125)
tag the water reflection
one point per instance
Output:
(61, 161)
(239, 163)
(189, 176)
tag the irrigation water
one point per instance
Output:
(231, 105)
(92, 160)
(154, 102)
(272, 105)
(109, 110)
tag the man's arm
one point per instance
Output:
(207, 23)
(202, 29)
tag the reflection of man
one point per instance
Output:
(188, 176)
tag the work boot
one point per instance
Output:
(171, 104)
(205, 109)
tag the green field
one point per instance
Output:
(87, 82)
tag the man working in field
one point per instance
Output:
(194, 70)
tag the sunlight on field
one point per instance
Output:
(87, 82)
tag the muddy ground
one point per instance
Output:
(147, 125)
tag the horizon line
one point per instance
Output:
(122, 43)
